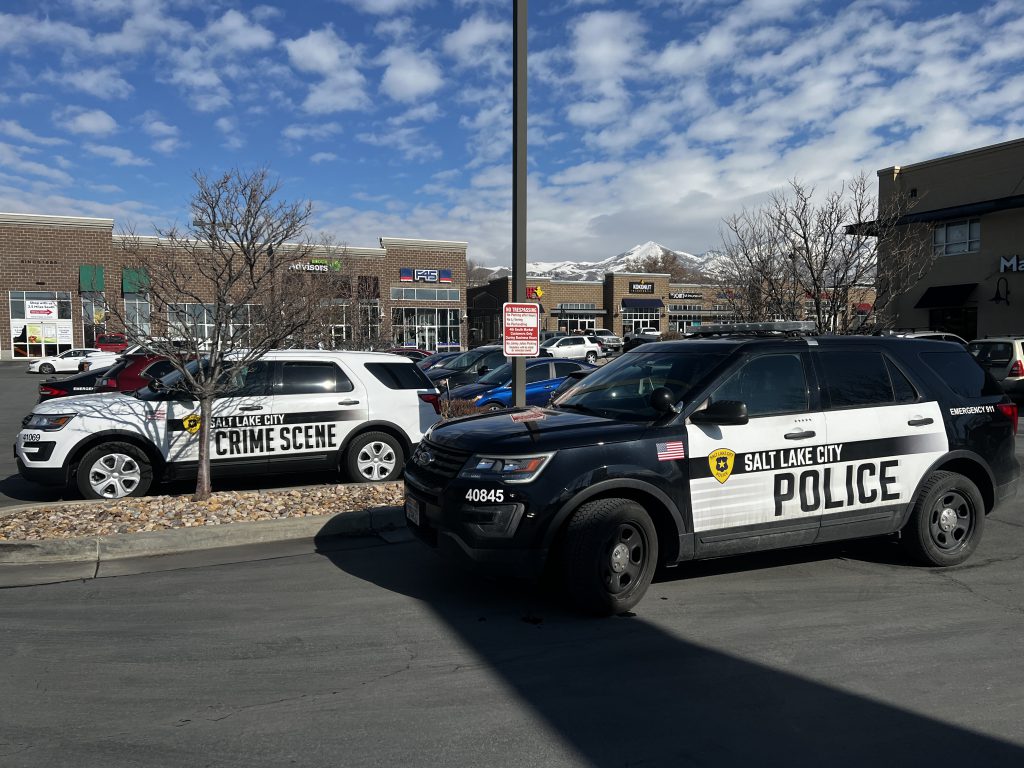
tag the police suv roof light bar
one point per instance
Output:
(786, 327)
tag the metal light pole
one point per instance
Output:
(519, 183)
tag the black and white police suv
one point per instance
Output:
(358, 412)
(706, 447)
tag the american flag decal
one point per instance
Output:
(671, 451)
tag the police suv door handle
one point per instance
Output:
(800, 435)
(250, 408)
(348, 402)
(920, 422)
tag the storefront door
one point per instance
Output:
(426, 337)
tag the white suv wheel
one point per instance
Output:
(375, 457)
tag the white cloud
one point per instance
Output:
(481, 41)
(408, 141)
(384, 7)
(322, 157)
(119, 155)
(229, 127)
(93, 122)
(12, 157)
(318, 132)
(236, 33)
(103, 82)
(323, 53)
(409, 75)
(15, 130)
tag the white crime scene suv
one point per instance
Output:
(361, 413)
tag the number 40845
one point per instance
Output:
(493, 495)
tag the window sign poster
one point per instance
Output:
(34, 333)
(36, 309)
(64, 333)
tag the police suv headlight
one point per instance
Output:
(507, 469)
(48, 422)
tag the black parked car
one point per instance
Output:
(467, 367)
(79, 384)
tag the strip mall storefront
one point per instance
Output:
(970, 207)
(58, 273)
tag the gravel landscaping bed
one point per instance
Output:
(157, 513)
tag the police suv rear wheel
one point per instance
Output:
(610, 553)
(948, 518)
(374, 458)
(114, 471)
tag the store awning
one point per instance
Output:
(90, 278)
(865, 307)
(945, 296)
(642, 304)
(134, 280)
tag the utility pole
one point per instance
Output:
(519, 183)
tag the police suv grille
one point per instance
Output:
(436, 460)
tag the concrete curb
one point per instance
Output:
(97, 549)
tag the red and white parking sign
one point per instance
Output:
(521, 329)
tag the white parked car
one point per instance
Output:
(361, 413)
(572, 347)
(65, 362)
(99, 359)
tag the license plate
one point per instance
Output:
(412, 511)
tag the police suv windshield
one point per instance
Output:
(622, 389)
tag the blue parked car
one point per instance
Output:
(494, 390)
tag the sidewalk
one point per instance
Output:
(47, 548)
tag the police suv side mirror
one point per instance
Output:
(663, 401)
(722, 412)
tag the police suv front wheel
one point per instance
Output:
(374, 457)
(114, 471)
(609, 556)
(948, 518)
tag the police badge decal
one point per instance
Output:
(721, 463)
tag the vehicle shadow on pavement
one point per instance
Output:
(623, 691)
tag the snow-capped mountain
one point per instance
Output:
(595, 270)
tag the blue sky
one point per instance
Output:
(649, 120)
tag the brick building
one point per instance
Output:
(623, 302)
(58, 273)
(970, 207)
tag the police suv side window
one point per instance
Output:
(768, 384)
(309, 378)
(856, 377)
(901, 386)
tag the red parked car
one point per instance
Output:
(134, 372)
(112, 342)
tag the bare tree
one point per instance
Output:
(795, 258)
(227, 288)
(476, 274)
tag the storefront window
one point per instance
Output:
(137, 310)
(635, 320)
(426, 328)
(94, 317)
(41, 323)
(956, 237)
